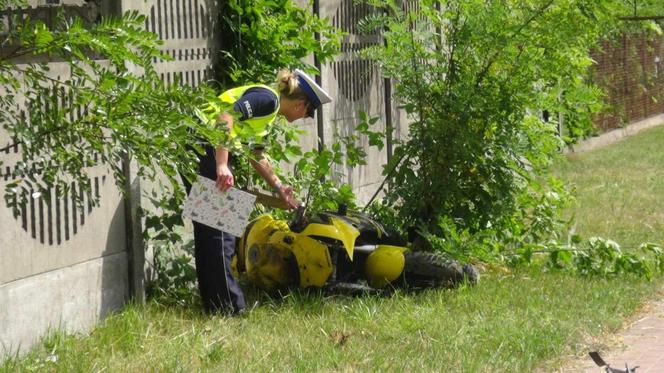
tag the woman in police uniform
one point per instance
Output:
(296, 96)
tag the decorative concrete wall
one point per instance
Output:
(356, 85)
(61, 265)
(66, 267)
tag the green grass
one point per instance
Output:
(519, 321)
(619, 189)
(509, 321)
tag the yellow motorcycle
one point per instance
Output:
(338, 250)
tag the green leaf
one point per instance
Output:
(42, 36)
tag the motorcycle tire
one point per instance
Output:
(429, 270)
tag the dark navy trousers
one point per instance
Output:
(213, 250)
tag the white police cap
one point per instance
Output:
(317, 95)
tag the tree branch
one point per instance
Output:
(16, 54)
(54, 80)
(641, 18)
(38, 136)
(51, 131)
(451, 61)
(494, 57)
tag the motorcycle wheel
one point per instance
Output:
(428, 270)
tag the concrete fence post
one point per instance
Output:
(320, 123)
(134, 232)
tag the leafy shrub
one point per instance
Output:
(472, 75)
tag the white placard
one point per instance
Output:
(227, 211)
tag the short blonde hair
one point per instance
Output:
(289, 86)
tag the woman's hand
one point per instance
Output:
(286, 195)
(225, 178)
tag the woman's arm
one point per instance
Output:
(225, 177)
(264, 168)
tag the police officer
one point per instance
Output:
(256, 107)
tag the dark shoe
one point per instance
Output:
(238, 312)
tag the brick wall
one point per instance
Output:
(630, 69)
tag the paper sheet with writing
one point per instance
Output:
(227, 211)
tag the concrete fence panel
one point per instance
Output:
(62, 265)
(356, 86)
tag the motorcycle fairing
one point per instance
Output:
(258, 231)
(269, 245)
(338, 229)
(269, 265)
(313, 261)
(360, 221)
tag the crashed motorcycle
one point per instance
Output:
(339, 250)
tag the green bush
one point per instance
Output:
(472, 75)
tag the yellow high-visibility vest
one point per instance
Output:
(255, 127)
